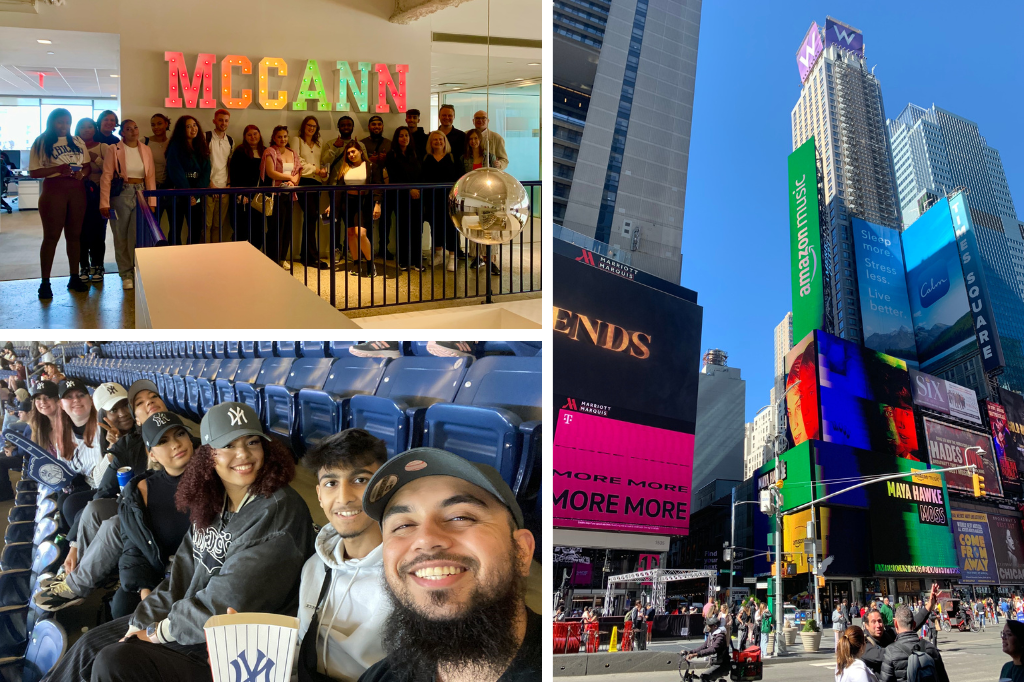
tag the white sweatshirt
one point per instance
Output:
(353, 611)
(857, 672)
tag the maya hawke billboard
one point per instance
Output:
(806, 266)
(626, 360)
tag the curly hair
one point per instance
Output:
(201, 493)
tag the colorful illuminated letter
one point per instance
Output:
(225, 81)
(312, 88)
(266, 101)
(201, 83)
(385, 82)
(347, 80)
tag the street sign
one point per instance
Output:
(824, 564)
(750, 580)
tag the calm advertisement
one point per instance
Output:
(866, 400)
(977, 290)
(884, 304)
(809, 50)
(806, 268)
(949, 446)
(1007, 549)
(848, 38)
(943, 327)
(619, 476)
(973, 544)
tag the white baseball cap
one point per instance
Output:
(107, 395)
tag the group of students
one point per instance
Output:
(419, 574)
(92, 176)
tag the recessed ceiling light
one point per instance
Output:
(114, 75)
(44, 42)
(534, 64)
(49, 53)
(517, 79)
(456, 88)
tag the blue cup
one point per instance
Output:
(124, 474)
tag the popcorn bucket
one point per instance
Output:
(251, 647)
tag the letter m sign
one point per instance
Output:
(198, 89)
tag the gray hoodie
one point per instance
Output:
(250, 563)
(351, 617)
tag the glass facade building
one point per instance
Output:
(935, 151)
(624, 73)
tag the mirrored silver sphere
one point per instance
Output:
(489, 206)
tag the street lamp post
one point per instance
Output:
(780, 430)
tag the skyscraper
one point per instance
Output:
(783, 344)
(935, 151)
(840, 105)
(758, 433)
(719, 436)
(623, 100)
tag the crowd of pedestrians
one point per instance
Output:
(91, 178)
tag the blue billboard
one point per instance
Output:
(884, 303)
(943, 326)
(977, 289)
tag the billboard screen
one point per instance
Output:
(626, 359)
(865, 399)
(973, 544)
(619, 476)
(977, 289)
(949, 446)
(908, 518)
(943, 327)
(1006, 420)
(945, 397)
(802, 398)
(884, 304)
(839, 34)
(809, 50)
(1007, 548)
(806, 268)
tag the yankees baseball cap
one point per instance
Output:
(140, 385)
(47, 388)
(421, 462)
(157, 425)
(107, 395)
(70, 385)
(228, 421)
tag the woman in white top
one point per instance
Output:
(849, 667)
(62, 161)
(132, 162)
(355, 205)
(307, 146)
(282, 168)
(94, 225)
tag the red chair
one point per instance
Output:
(627, 636)
(593, 636)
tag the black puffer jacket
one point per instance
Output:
(894, 667)
(141, 565)
(717, 646)
(874, 650)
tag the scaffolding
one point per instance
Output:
(658, 577)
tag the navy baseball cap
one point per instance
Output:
(421, 462)
(157, 425)
(71, 385)
(25, 406)
(47, 388)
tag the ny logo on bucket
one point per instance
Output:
(237, 415)
(264, 664)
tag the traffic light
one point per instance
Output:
(821, 581)
(979, 485)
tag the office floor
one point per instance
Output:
(21, 233)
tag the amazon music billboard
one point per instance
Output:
(626, 358)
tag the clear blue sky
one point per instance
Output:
(735, 230)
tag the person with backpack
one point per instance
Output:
(910, 659)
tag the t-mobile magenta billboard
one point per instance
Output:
(809, 50)
(619, 476)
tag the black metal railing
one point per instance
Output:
(431, 263)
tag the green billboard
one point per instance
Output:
(806, 266)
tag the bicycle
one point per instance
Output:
(690, 673)
(741, 669)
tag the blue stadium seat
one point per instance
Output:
(280, 401)
(181, 389)
(20, 531)
(205, 382)
(15, 587)
(46, 558)
(27, 497)
(497, 409)
(410, 385)
(165, 383)
(13, 630)
(23, 513)
(231, 349)
(313, 349)
(245, 374)
(47, 643)
(179, 348)
(208, 350)
(264, 349)
(194, 389)
(190, 349)
(272, 371)
(45, 529)
(286, 349)
(16, 555)
(326, 411)
(46, 508)
(247, 349)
